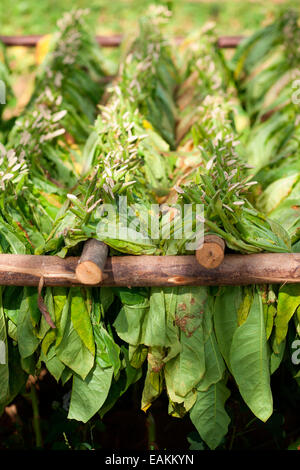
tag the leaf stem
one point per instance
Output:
(36, 417)
(151, 432)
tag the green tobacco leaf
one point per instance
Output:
(209, 416)
(12, 299)
(43, 328)
(172, 333)
(27, 340)
(70, 348)
(153, 385)
(106, 297)
(62, 319)
(183, 372)
(156, 327)
(66, 375)
(128, 376)
(80, 318)
(214, 364)
(12, 330)
(108, 352)
(52, 363)
(16, 245)
(32, 298)
(288, 301)
(88, 395)
(178, 409)
(17, 376)
(137, 355)
(250, 362)
(271, 314)
(59, 300)
(49, 338)
(28, 364)
(275, 193)
(277, 356)
(4, 367)
(225, 318)
(244, 308)
(129, 322)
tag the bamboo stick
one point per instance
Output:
(92, 261)
(211, 254)
(131, 271)
(106, 41)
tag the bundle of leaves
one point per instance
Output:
(31, 198)
(149, 76)
(56, 122)
(265, 68)
(271, 143)
(184, 341)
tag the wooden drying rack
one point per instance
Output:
(134, 271)
(209, 266)
(225, 42)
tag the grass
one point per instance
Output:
(232, 16)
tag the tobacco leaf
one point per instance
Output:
(288, 301)
(185, 370)
(4, 367)
(250, 361)
(226, 307)
(89, 394)
(70, 348)
(209, 415)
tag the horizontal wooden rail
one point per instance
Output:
(106, 41)
(229, 42)
(132, 271)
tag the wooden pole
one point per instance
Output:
(229, 42)
(92, 261)
(32, 40)
(131, 271)
(211, 254)
(107, 41)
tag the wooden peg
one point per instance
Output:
(91, 263)
(211, 254)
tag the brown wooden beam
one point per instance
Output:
(132, 271)
(229, 42)
(26, 41)
(105, 41)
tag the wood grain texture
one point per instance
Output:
(92, 261)
(211, 254)
(229, 42)
(131, 271)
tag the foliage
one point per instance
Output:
(165, 134)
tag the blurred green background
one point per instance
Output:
(232, 16)
(119, 16)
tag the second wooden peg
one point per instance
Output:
(211, 254)
(92, 261)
